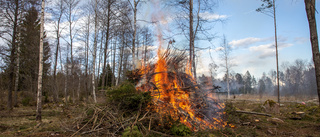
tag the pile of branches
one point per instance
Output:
(207, 108)
(110, 121)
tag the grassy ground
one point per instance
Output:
(21, 121)
(307, 125)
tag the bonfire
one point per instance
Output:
(176, 93)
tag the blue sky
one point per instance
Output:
(251, 34)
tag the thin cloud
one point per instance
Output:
(268, 50)
(247, 41)
(212, 16)
(264, 51)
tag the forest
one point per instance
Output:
(127, 68)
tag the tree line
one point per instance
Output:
(296, 79)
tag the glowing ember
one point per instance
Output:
(176, 94)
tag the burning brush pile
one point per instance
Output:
(176, 93)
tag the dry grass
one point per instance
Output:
(253, 97)
(21, 121)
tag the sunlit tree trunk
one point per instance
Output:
(135, 4)
(87, 56)
(191, 40)
(94, 51)
(310, 9)
(39, 93)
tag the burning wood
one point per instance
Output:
(177, 94)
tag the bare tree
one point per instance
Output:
(108, 31)
(310, 9)
(60, 6)
(266, 9)
(71, 7)
(134, 8)
(226, 56)
(114, 61)
(94, 50)
(10, 12)
(147, 41)
(39, 93)
(194, 29)
(87, 35)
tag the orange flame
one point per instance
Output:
(171, 99)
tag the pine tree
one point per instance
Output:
(108, 73)
(29, 43)
(247, 82)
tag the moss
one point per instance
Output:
(180, 130)
(313, 110)
(308, 118)
(270, 102)
(131, 132)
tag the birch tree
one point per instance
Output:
(71, 8)
(226, 57)
(94, 50)
(39, 93)
(60, 9)
(134, 7)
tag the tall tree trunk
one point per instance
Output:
(39, 93)
(15, 102)
(145, 50)
(114, 62)
(71, 5)
(79, 83)
(94, 52)
(310, 9)
(191, 38)
(87, 57)
(12, 66)
(228, 83)
(134, 33)
(135, 4)
(120, 62)
(276, 43)
(55, 92)
(106, 45)
(71, 53)
(100, 56)
(137, 49)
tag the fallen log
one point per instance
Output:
(255, 113)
